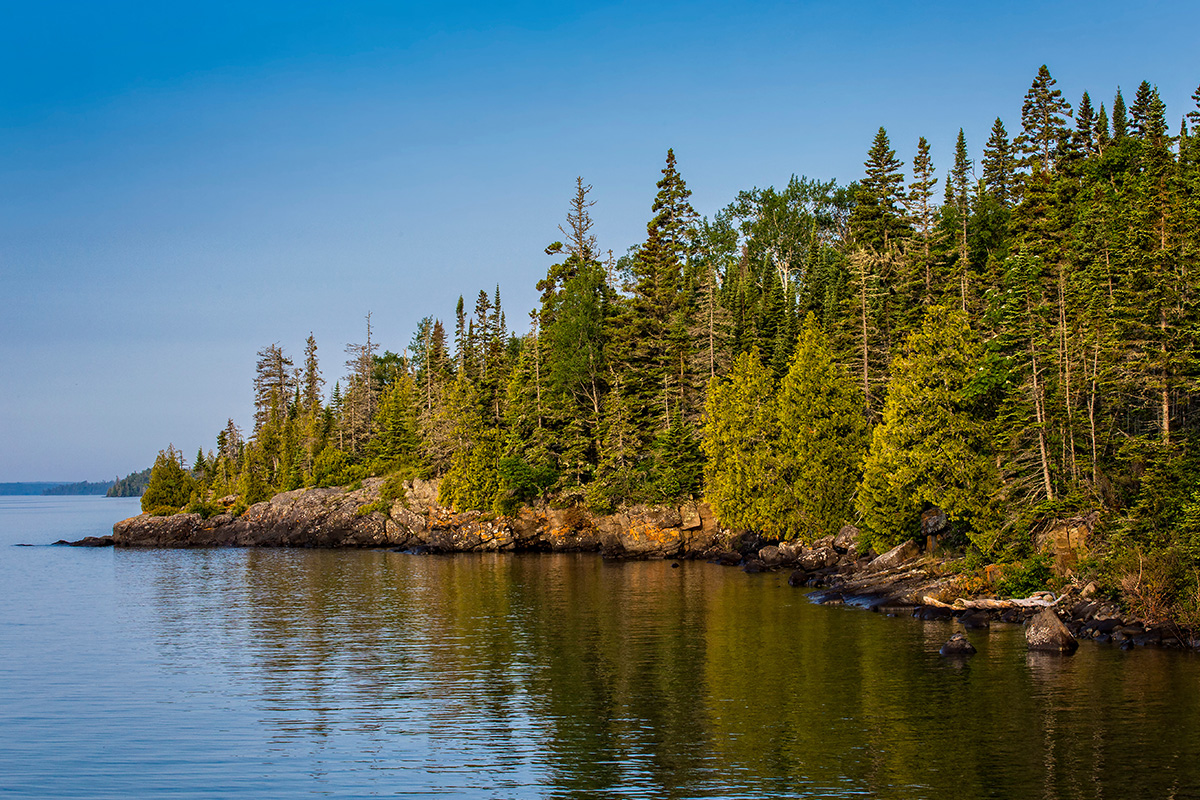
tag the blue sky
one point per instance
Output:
(181, 185)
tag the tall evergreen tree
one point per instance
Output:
(877, 218)
(1043, 123)
(921, 211)
(998, 164)
(1085, 126)
(1120, 122)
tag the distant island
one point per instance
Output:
(55, 488)
(132, 485)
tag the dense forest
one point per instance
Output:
(1013, 340)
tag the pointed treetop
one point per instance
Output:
(581, 242)
(960, 175)
(998, 164)
(1102, 136)
(1148, 114)
(883, 168)
(672, 211)
(1120, 121)
(1042, 121)
(1085, 125)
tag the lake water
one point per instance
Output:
(280, 673)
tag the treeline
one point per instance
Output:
(132, 485)
(80, 488)
(1012, 340)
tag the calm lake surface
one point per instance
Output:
(277, 673)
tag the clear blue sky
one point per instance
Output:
(182, 184)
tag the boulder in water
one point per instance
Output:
(958, 645)
(1046, 632)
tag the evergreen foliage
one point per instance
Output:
(170, 485)
(929, 449)
(1021, 346)
(820, 442)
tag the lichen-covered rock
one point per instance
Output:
(330, 517)
(846, 540)
(895, 557)
(770, 555)
(1046, 632)
(817, 558)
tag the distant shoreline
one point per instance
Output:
(53, 488)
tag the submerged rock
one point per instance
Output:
(958, 645)
(1046, 632)
(89, 541)
(975, 620)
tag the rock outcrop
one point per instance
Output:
(341, 518)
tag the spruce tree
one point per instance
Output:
(1085, 126)
(1042, 122)
(1120, 122)
(920, 210)
(877, 219)
(647, 338)
(998, 164)
(1102, 135)
(959, 184)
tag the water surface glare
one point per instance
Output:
(276, 673)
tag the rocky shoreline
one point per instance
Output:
(912, 579)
